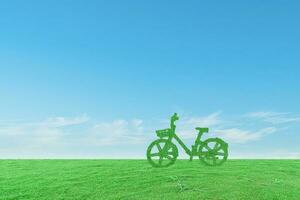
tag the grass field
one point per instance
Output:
(136, 179)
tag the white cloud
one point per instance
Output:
(216, 125)
(62, 121)
(186, 126)
(274, 117)
(61, 134)
(206, 121)
(38, 134)
(117, 132)
(235, 135)
(21, 128)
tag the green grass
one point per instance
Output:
(136, 179)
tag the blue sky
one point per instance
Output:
(96, 79)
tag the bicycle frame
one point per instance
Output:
(191, 152)
(180, 142)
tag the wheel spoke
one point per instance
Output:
(160, 160)
(158, 147)
(203, 153)
(207, 147)
(169, 157)
(166, 147)
(220, 147)
(154, 154)
(170, 153)
(216, 145)
(214, 160)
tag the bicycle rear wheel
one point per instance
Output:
(213, 152)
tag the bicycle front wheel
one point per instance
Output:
(162, 153)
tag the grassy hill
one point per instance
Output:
(136, 179)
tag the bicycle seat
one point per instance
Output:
(202, 130)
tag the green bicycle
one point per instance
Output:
(164, 153)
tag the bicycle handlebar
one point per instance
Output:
(175, 117)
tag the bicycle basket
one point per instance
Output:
(163, 133)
